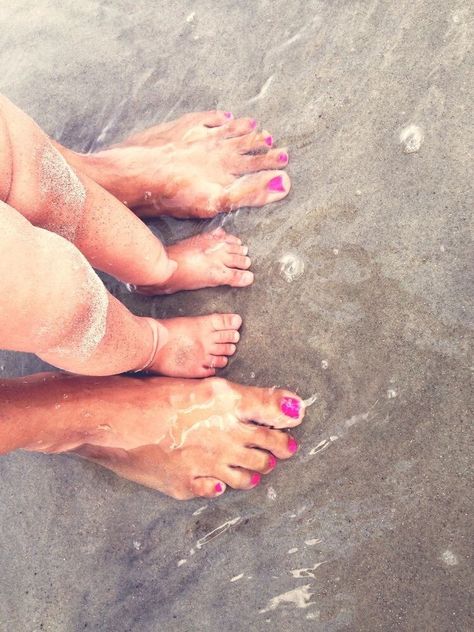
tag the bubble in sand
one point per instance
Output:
(411, 138)
(291, 267)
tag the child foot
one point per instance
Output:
(195, 346)
(206, 260)
(203, 438)
(198, 166)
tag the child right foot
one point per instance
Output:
(194, 347)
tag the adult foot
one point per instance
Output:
(206, 260)
(201, 438)
(198, 166)
(195, 346)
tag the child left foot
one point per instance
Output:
(206, 260)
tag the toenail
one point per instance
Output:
(283, 157)
(219, 488)
(292, 445)
(253, 123)
(272, 461)
(235, 321)
(245, 250)
(228, 115)
(247, 277)
(269, 140)
(290, 407)
(276, 184)
(255, 480)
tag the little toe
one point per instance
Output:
(273, 159)
(225, 321)
(216, 362)
(207, 487)
(223, 349)
(235, 249)
(226, 336)
(258, 189)
(237, 127)
(238, 261)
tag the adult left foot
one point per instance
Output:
(206, 260)
(198, 166)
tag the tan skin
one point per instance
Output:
(185, 438)
(159, 432)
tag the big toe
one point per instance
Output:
(221, 322)
(258, 189)
(272, 407)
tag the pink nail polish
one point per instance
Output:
(219, 488)
(269, 140)
(253, 123)
(276, 184)
(283, 157)
(290, 407)
(272, 461)
(255, 480)
(228, 115)
(292, 445)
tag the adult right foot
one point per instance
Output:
(190, 438)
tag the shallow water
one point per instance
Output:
(372, 99)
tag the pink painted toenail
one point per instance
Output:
(269, 140)
(283, 157)
(219, 488)
(276, 184)
(272, 461)
(228, 115)
(292, 445)
(290, 407)
(253, 123)
(255, 480)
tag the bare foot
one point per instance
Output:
(195, 346)
(198, 166)
(206, 260)
(201, 438)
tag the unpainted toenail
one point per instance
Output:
(276, 184)
(247, 277)
(245, 250)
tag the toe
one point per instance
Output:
(253, 142)
(225, 336)
(213, 118)
(236, 127)
(216, 362)
(272, 407)
(225, 321)
(258, 189)
(237, 261)
(274, 159)
(256, 460)
(240, 478)
(225, 349)
(220, 234)
(234, 249)
(278, 442)
(238, 278)
(207, 487)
